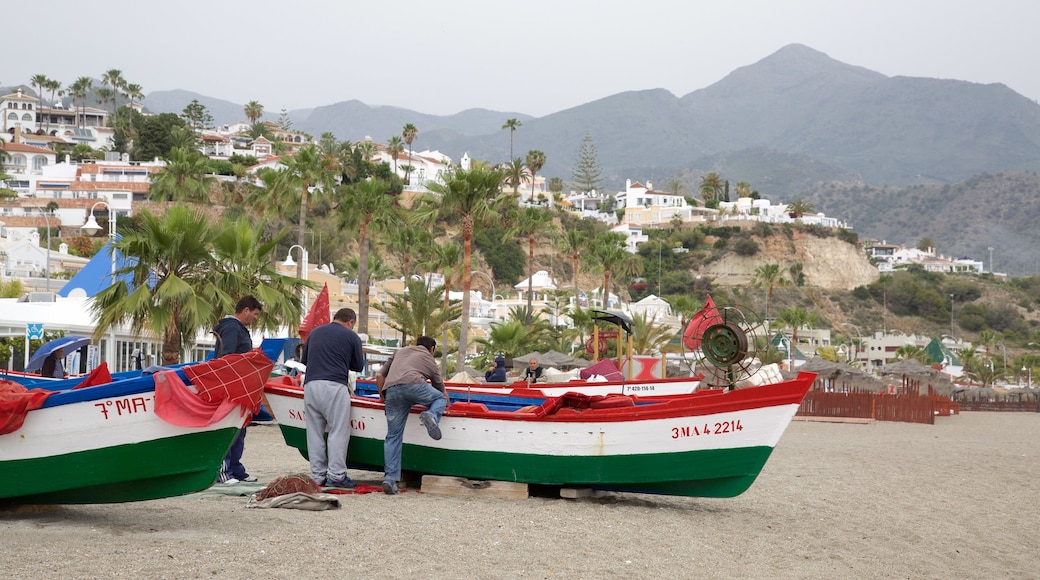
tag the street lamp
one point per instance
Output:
(91, 227)
(990, 259)
(490, 281)
(951, 315)
(289, 262)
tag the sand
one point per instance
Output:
(887, 500)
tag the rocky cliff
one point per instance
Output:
(827, 263)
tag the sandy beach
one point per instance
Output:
(887, 500)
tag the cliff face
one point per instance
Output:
(827, 263)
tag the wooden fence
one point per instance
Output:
(905, 404)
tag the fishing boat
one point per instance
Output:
(710, 443)
(146, 437)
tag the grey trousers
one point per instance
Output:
(327, 404)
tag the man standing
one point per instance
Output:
(233, 338)
(332, 350)
(402, 383)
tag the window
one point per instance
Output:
(39, 162)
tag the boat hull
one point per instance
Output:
(105, 444)
(707, 444)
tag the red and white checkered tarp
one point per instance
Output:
(237, 377)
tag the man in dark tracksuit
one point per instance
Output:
(233, 338)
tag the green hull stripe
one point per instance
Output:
(138, 471)
(707, 473)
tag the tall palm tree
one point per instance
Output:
(103, 96)
(472, 197)
(39, 81)
(408, 241)
(53, 86)
(512, 125)
(770, 276)
(394, 147)
(527, 223)
(574, 243)
(794, 318)
(711, 187)
(535, 161)
(447, 259)
(409, 133)
(608, 253)
(254, 110)
(133, 92)
(79, 89)
(307, 169)
(115, 81)
(365, 206)
(184, 179)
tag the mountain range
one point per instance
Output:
(900, 158)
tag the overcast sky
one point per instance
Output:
(533, 57)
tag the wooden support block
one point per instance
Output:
(447, 485)
(577, 492)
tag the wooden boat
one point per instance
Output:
(133, 439)
(711, 443)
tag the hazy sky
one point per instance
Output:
(534, 56)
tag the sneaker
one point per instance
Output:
(390, 488)
(249, 479)
(229, 481)
(319, 482)
(427, 420)
(346, 482)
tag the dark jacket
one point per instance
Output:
(498, 374)
(232, 337)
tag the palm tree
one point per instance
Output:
(79, 89)
(369, 150)
(409, 134)
(114, 79)
(133, 92)
(417, 311)
(513, 337)
(711, 187)
(800, 207)
(365, 206)
(574, 243)
(675, 187)
(649, 337)
(245, 265)
(254, 110)
(305, 170)
(104, 95)
(516, 173)
(171, 292)
(526, 223)
(608, 252)
(771, 276)
(53, 86)
(794, 318)
(535, 161)
(185, 178)
(512, 125)
(394, 146)
(471, 196)
(39, 81)
(446, 258)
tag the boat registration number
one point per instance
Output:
(717, 428)
(121, 407)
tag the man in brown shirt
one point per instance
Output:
(402, 383)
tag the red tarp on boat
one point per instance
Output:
(15, 403)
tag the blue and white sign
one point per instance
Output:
(34, 331)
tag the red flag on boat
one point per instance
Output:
(700, 322)
(317, 315)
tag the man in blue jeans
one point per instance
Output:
(233, 337)
(402, 383)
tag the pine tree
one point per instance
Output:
(587, 172)
(284, 122)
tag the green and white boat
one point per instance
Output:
(125, 440)
(711, 443)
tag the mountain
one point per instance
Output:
(900, 158)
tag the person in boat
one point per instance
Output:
(402, 383)
(497, 372)
(331, 351)
(54, 365)
(233, 337)
(533, 372)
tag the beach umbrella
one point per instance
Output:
(69, 343)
